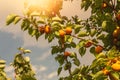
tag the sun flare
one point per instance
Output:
(43, 5)
(38, 3)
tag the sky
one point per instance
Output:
(11, 37)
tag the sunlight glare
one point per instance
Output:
(45, 6)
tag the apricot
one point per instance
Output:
(47, 29)
(105, 71)
(116, 66)
(62, 33)
(68, 30)
(66, 53)
(116, 33)
(98, 49)
(104, 5)
(88, 44)
(41, 29)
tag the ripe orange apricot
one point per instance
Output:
(116, 33)
(116, 66)
(41, 29)
(105, 71)
(88, 44)
(47, 29)
(62, 33)
(66, 53)
(104, 5)
(68, 30)
(98, 49)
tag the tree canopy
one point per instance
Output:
(98, 35)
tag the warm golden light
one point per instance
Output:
(37, 3)
(43, 6)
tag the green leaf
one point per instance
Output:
(73, 55)
(2, 66)
(59, 70)
(46, 36)
(10, 18)
(17, 19)
(57, 34)
(2, 61)
(100, 55)
(101, 36)
(56, 24)
(73, 44)
(50, 38)
(114, 76)
(32, 31)
(41, 21)
(92, 49)
(93, 32)
(82, 33)
(70, 39)
(97, 62)
(76, 61)
(87, 5)
(76, 71)
(98, 75)
(82, 51)
(58, 19)
(83, 4)
(60, 59)
(18, 77)
(81, 44)
(77, 28)
(19, 58)
(25, 24)
(67, 66)
(27, 59)
(104, 25)
(84, 69)
(27, 51)
(54, 49)
(37, 35)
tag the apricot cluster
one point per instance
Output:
(44, 29)
(67, 31)
(114, 63)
